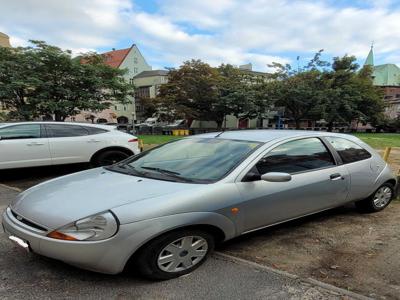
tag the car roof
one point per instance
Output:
(266, 135)
(107, 127)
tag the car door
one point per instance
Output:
(70, 143)
(317, 183)
(362, 168)
(23, 145)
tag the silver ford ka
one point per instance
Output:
(162, 211)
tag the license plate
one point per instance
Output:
(20, 242)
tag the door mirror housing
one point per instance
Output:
(276, 177)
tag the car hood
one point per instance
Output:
(66, 199)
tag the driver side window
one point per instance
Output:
(296, 156)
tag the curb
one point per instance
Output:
(311, 281)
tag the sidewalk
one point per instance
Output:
(32, 277)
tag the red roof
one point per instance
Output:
(116, 57)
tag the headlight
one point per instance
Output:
(93, 228)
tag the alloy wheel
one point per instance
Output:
(182, 254)
(382, 196)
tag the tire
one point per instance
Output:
(378, 200)
(109, 157)
(149, 260)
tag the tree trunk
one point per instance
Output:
(330, 126)
(219, 124)
(297, 123)
(59, 117)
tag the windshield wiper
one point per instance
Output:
(161, 170)
(132, 169)
(169, 173)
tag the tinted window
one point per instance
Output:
(56, 130)
(348, 151)
(296, 156)
(26, 131)
(94, 130)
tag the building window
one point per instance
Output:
(125, 108)
(142, 92)
(131, 81)
(116, 107)
(135, 60)
(135, 70)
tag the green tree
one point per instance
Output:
(192, 93)
(299, 90)
(351, 95)
(48, 81)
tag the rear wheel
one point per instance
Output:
(174, 254)
(378, 200)
(109, 157)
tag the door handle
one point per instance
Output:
(336, 176)
(93, 141)
(35, 144)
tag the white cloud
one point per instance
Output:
(229, 31)
(72, 24)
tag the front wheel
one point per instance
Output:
(378, 200)
(174, 254)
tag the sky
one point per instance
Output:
(169, 32)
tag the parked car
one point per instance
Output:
(163, 210)
(31, 144)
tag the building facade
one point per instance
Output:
(387, 76)
(132, 60)
(147, 84)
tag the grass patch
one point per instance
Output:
(380, 140)
(157, 139)
(375, 140)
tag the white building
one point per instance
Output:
(132, 60)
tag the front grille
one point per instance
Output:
(27, 222)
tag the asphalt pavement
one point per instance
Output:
(29, 276)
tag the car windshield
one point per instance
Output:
(191, 159)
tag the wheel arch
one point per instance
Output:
(111, 148)
(218, 234)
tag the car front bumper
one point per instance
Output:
(107, 256)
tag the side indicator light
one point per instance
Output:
(132, 140)
(234, 210)
(61, 236)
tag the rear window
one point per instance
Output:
(348, 151)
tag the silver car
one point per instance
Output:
(162, 211)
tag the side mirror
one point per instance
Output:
(276, 177)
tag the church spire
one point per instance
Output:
(370, 58)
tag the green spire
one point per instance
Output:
(370, 58)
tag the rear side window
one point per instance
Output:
(56, 130)
(94, 130)
(348, 151)
(296, 156)
(25, 131)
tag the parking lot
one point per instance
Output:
(357, 252)
(28, 276)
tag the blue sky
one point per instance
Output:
(216, 31)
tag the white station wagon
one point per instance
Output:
(32, 144)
